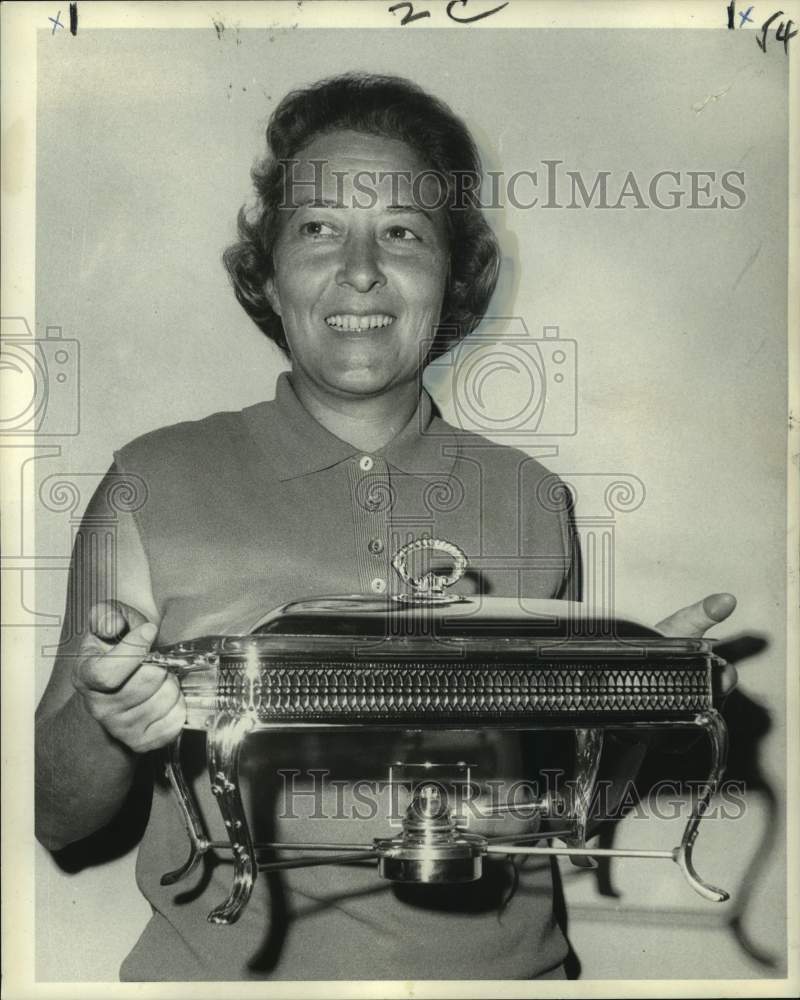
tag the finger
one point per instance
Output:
(156, 705)
(719, 606)
(728, 679)
(164, 730)
(109, 671)
(110, 620)
(140, 686)
(694, 620)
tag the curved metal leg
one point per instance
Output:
(224, 744)
(198, 841)
(588, 747)
(716, 730)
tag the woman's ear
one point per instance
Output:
(272, 295)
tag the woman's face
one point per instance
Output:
(360, 264)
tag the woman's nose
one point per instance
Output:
(360, 266)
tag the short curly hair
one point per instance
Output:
(394, 108)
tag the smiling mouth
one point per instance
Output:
(349, 321)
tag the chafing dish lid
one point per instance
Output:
(366, 616)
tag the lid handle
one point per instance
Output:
(430, 585)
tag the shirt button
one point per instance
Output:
(365, 463)
(378, 585)
(375, 546)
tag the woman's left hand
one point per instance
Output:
(696, 619)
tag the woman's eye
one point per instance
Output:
(401, 233)
(317, 229)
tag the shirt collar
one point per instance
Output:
(302, 445)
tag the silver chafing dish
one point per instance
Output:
(433, 660)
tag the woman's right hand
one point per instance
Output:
(139, 704)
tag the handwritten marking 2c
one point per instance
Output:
(410, 14)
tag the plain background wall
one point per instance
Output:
(144, 143)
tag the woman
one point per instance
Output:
(368, 256)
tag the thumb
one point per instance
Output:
(110, 620)
(695, 620)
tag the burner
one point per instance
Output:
(431, 848)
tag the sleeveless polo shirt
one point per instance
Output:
(248, 510)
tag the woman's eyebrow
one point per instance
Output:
(330, 203)
(317, 203)
(320, 203)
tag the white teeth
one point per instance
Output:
(346, 321)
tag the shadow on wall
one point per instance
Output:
(748, 724)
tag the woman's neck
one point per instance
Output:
(369, 422)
